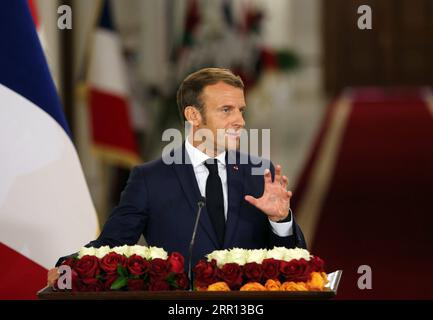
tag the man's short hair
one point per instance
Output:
(191, 88)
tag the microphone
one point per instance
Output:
(200, 204)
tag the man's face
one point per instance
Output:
(224, 107)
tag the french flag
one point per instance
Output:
(35, 15)
(109, 96)
(45, 207)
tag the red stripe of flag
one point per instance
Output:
(108, 111)
(20, 277)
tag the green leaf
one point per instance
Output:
(173, 283)
(119, 283)
(171, 279)
(122, 271)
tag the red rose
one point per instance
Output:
(77, 283)
(205, 273)
(231, 273)
(136, 284)
(87, 267)
(69, 262)
(109, 280)
(110, 262)
(176, 262)
(92, 284)
(286, 268)
(295, 270)
(159, 285)
(75, 280)
(158, 268)
(317, 264)
(137, 265)
(253, 272)
(271, 268)
(182, 281)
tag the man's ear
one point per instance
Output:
(193, 116)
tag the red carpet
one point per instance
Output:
(378, 209)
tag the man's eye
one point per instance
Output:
(226, 109)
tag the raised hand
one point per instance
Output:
(275, 201)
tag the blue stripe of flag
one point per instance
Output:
(106, 21)
(23, 67)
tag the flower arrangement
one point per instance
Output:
(279, 269)
(129, 268)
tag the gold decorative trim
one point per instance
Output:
(117, 156)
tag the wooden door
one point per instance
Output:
(398, 51)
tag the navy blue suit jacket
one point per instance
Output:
(160, 202)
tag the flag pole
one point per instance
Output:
(67, 74)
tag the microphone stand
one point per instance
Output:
(200, 204)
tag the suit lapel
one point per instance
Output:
(235, 192)
(186, 176)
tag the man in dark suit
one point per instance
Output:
(242, 209)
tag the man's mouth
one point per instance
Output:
(233, 133)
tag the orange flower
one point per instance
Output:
(317, 281)
(294, 286)
(325, 277)
(252, 286)
(273, 285)
(218, 286)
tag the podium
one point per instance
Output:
(49, 294)
(330, 291)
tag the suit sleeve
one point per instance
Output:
(296, 240)
(128, 220)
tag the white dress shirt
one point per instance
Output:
(197, 158)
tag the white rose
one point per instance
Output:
(277, 253)
(121, 250)
(102, 251)
(297, 254)
(141, 251)
(86, 252)
(237, 255)
(219, 255)
(256, 256)
(155, 252)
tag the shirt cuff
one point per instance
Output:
(282, 229)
